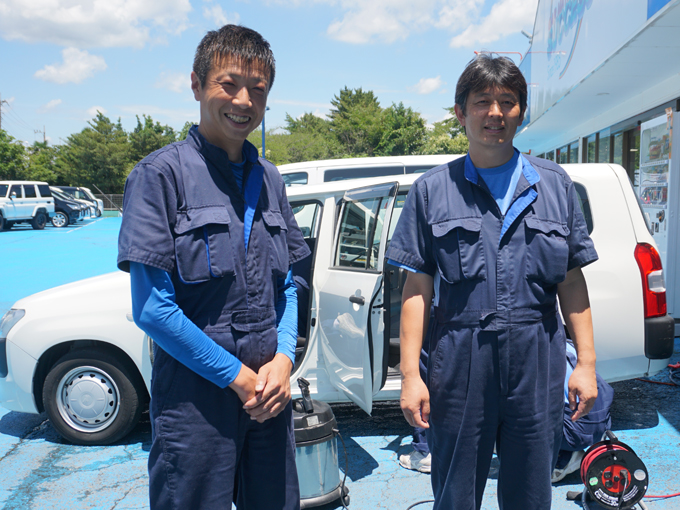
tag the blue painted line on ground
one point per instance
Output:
(39, 471)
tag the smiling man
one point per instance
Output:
(491, 240)
(208, 237)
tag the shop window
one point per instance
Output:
(573, 152)
(563, 155)
(550, 155)
(632, 155)
(603, 146)
(617, 149)
(591, 144)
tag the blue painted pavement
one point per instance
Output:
(38, 470)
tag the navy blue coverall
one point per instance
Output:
(497, 345)
(184, 214)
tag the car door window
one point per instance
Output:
(3, 190)
(29, 191)
(307, 215)
(361, 228)
(15, 191)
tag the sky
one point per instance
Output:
(61, 61)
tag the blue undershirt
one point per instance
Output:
(502, 181)
(155, 311)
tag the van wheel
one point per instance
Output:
(2, 222)
(60, 219)
(5, 224)
(39, 221)
(93, 397)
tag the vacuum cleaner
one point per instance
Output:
(316, 452)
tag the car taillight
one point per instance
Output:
(653, 283)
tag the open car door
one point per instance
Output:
(352, 315)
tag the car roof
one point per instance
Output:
(22, 182)
(310, 191)
(434, 159)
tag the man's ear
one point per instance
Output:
(459, 114)
(196, 86)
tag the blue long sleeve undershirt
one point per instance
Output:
(155, 311)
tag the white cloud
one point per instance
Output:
(177, 82)
(76, 67)
(218, 17)
(51, 105)
(92, 112)
(387, 21)
(427, 85)
(506, 17)
(92, 23)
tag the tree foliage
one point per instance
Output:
(12, 157)
(148, 137)
(99, 154)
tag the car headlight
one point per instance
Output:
(6, 324)
(9, 320)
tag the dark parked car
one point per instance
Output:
(85, 194)
(66, 210)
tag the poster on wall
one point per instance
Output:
(654, 176)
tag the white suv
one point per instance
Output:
(25, 202)
(75, 352)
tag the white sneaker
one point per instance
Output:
(416, 461)
(573, 465)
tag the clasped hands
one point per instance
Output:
(264, 394)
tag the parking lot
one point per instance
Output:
(38, 470)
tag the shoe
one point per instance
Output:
(416, 461)
(573, 464)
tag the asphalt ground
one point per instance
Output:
(39, 470)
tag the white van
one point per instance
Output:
(348, 325)
(329, 170)
(25, 202)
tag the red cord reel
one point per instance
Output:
(613, 475)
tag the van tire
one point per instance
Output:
(5, 224)
(79, 380)
(39, 221)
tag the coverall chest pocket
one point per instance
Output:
(203, 244)
(459, 249)
(547, 250)
(278, 235)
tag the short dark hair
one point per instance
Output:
(233, 41)
(486, 71)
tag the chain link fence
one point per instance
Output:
(112, 202)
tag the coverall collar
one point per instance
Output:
(217, 155)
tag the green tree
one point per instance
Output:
(42, 163)
(12, 157)
(148, 137)
(403, 131)
(446, 137)
(355, 121)
(99, 155)
(185, 130)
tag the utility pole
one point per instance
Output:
(1, 101)
(36, 131)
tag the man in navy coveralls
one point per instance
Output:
(209, 237)
(491, 240)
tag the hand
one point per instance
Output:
(415, 401)
(272, 389)
(582, 384)
(244, 384)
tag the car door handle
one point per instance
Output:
(359, 300)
